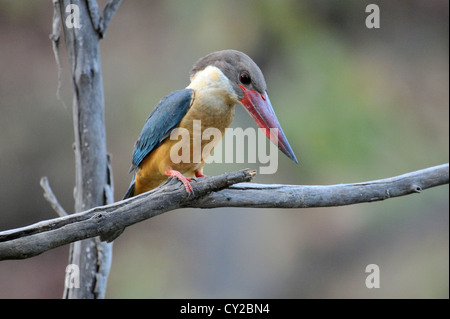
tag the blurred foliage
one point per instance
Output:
(356, 104)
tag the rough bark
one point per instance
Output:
(93, 186)
(209, 192)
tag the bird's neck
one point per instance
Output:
(214, 99)
(212, 78)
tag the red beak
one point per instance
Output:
(260, 108)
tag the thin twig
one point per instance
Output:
(99, 20)
(108, 13)
(55, 37)
(51, 198)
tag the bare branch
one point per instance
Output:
(51, 198)
(299, 196)
(55, 37)
(99, 20)
(32, 240)
(94, 13)
(108, 13)
(210, 192)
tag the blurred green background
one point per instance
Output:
(356, 104)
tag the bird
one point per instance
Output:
(218, 82)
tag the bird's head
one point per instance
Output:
(248, 84)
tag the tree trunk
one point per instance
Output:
(93, 186)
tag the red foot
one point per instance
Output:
(182, 178)
(199, 174)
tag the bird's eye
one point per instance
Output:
(245, 78)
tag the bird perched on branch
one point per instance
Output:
(219, 81)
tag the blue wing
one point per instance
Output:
(164, 118)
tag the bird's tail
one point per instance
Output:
(130, 191)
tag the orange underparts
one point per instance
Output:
(182, 178)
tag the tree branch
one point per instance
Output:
(92, 174)
(51, 198)
(108, 13)
(209, 192)
(55, 37)
(32, 240)
(100, 21)
(300, 196)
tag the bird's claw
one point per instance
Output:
(185, 180)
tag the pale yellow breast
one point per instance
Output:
(213, 105)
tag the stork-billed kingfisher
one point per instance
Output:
(219, 81)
